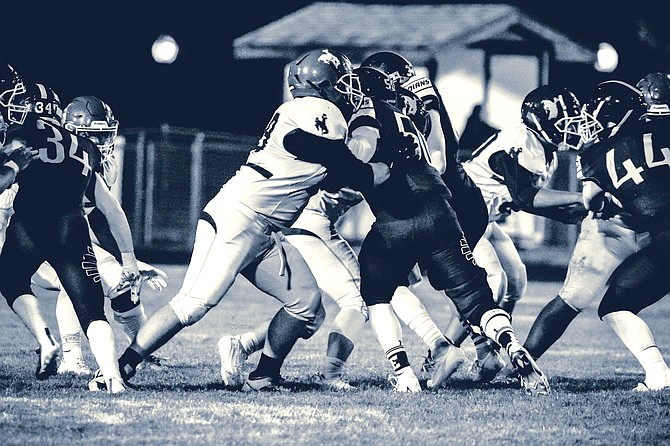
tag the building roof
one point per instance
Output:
(416, 31)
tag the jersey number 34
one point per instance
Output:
(56, 152)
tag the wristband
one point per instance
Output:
(128, 258)
(12, 165)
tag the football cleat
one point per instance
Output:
(111, 386)
(333, 383)
(76, 366)
(531, 378)
(151, 362)
(262, 384)
(47, 360)
(405, 381)
(488, 364)
(233, 356)
(447, 361)
(654, 384)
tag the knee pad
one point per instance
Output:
(188, 309)
(354, 302)
(123, 302)
(516, 284)
(314, 325)
(586, 280)
(304, 306)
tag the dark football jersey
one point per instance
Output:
(635, 168)
(409, 180)
(54, 182)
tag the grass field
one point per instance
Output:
(590, 372)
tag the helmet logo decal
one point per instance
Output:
(329, 58)
(551, 107)
(320, 124)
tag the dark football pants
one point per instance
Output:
(642, 279)
(433, 238)
(65, 243)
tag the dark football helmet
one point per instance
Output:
(612, 105)
(553, 113)
(41, 100)
(92, 118)
(11, 87)
(655, 88)
(396, 67)
(377, 84)
(325, 74)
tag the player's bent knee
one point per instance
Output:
(306, 306)
(314, 325)
(188, 309)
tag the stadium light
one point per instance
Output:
(165, 49)
(607, 58)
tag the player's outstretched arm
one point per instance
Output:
(120, 229)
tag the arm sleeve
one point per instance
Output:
(519, 181)
(116, 218)
(103, 233)
(344, 169)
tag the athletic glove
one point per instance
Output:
(130, 276)
(155, 277)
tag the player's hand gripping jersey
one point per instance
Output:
(510, 167)
(55, 182)
(303, 141)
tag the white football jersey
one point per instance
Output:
(525, 147)
(274, 182)
(423, 88)
(7, 197)
(332, 205)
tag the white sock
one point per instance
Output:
(69, 328)
(253, 341)
(496, 325)
(27, 309)
(131, 320)
(637, 337)
(413, 313)
(101, 340)
(386, 326)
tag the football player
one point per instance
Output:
(49, 225)
(240, 228)
(92, 118)
(605, 238)
(511, 169)
(335, 267)
(422, 102)
(414, 223)
(630, 161)
(337, 272)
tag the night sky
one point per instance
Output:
(103, 49)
